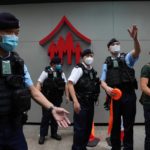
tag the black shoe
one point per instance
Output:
(108, 141)
(41, 140)
(56, 137)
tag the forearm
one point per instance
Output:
(137, 48)
(104, 85)
(66, 90)
(40, 98)
(38, 86)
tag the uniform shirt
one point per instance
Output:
(76, 73)
(130, 61)
(28, 80)
(44, 75)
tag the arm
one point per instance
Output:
(144, 85)
(133, 34)
(67, 93)
(74, 98)
(66, 87)
(103, 84)
(38, 85)
(107, 88)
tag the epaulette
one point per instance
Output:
(47, 68)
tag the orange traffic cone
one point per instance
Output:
(117, 96)
(93, 141)
(122, 130)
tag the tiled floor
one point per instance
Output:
(32, 135)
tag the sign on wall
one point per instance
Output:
(66, 44)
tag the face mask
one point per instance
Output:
(58, 67)
(89, 60)
(115, 48)
(9, 42)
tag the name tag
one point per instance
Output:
(115, 64)
(6, 67)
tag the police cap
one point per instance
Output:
(55, 60)
(111, 42)
(8, 21)
(85, 52)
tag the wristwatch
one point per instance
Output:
(50, 109)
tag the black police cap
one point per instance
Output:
(55, 60)
(113, 40)
(8, 21)
(86, 51)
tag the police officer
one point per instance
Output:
(16, 89)
(117, 71)
(84, 90)
(52, 83)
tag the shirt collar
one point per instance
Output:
(113, 58)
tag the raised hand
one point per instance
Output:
(133, 32)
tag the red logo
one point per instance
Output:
(65, 45)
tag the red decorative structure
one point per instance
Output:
(65, 45)
(61, 47)
(58, 27)
(69, 47)
(52, 50)
(78, 50)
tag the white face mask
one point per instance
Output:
(115, 48)
(89, 60)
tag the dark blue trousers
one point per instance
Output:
(83, 125)
(12, 139)
(126, 107)
(147, 127)
(47, 118)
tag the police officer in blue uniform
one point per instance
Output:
(118, 72)
(84, 89)
(52, 83)
(16, 89)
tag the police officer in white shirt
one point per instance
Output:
(84, 89)
(52, 83)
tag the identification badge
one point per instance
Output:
(54, 74)
(6, 67)
(91, 76)
(115, 64)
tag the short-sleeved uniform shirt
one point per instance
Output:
(44, 75)
(76, 74)
(145, 73)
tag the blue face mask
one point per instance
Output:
(9, 42)
(58, 67)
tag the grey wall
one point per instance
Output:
(99, 21)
